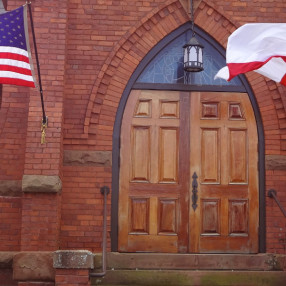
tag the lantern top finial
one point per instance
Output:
(193, 42)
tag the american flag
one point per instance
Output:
(15, 67)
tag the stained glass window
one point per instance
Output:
(167, 65)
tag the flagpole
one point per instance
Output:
(44, 121)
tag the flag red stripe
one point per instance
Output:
(12, 56)
(15, 69)
(8, 80)
(283, 80)
(238, 68)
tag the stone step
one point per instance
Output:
(166, 261)
(190, 278)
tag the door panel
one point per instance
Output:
(224, 155)
(168, 136)
(210, 168)
(153, 200)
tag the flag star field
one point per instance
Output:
(15, 65)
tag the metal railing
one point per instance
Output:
(104, 191)
(273, 194)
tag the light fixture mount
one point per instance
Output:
(193, 50)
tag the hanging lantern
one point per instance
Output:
(193, 56)
(193, 51)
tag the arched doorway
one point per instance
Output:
(153, 197)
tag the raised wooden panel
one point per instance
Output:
(238, 217)
(169, 109)
(140, 170)
(235, 111)
(139, 215)
(210, 156)
(167, 209)
(210, 110)
(168, 159)
(238, 156)
(143, 108)
(210, 215)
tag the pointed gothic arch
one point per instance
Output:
(134, 83)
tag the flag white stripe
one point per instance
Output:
(13, 50)
(275, 64)
(256, 42)
(260, 46)
(223, 73)
(9, 74)
(15, 63)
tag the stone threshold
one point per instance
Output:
(167, 261)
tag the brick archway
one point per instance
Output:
(128, 53)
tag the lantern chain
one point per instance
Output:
(192, 17)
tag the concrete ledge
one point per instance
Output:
(6, 259)
(177, 261)
(87, 158)
(188, 278)
(280, 260)
(41, 184)
(33, 266)
(10, 188)
(73, 259)
(275, 162)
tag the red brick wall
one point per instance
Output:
(10, 224)
(13, 128)
(72, 277)
(40, 222)
(82, 207)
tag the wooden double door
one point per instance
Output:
(188, 173)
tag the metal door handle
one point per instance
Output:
(194, 191)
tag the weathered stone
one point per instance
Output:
(280, 260)
(87, 158)
(73, 259)
(33, 266)
(251, 262)
(10, 188)
(6, 259)
(275, 162)
(41, 184)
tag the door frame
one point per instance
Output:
(190, 88)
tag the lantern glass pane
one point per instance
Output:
(186, 55)
(193, 54)
(168, 65)
(200, 55)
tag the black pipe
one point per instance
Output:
(272, 194)
(104, 191)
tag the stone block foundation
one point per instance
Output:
(70, 267)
